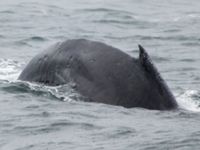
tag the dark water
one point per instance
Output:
(35, 117)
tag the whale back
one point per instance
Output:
(101, 73)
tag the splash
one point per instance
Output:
(61, 92)
(9, 72)
(9, 69)
(190, 100)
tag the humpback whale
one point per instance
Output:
(102, 73)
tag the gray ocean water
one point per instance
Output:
(37, 117)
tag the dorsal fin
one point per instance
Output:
(147, 63)
(153, 73)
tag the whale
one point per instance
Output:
(102, 73)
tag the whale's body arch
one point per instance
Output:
(102, 73)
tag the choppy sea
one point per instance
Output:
(38, 117)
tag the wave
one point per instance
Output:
(108, 11)
(7, 12)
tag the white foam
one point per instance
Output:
(62, 92)
(9, 69)
(189, 100)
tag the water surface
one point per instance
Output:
(37, 117)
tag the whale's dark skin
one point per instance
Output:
(102, 73)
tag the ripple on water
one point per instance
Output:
(7, 12)
(30, 41)
(36, 39)
(108, 11)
